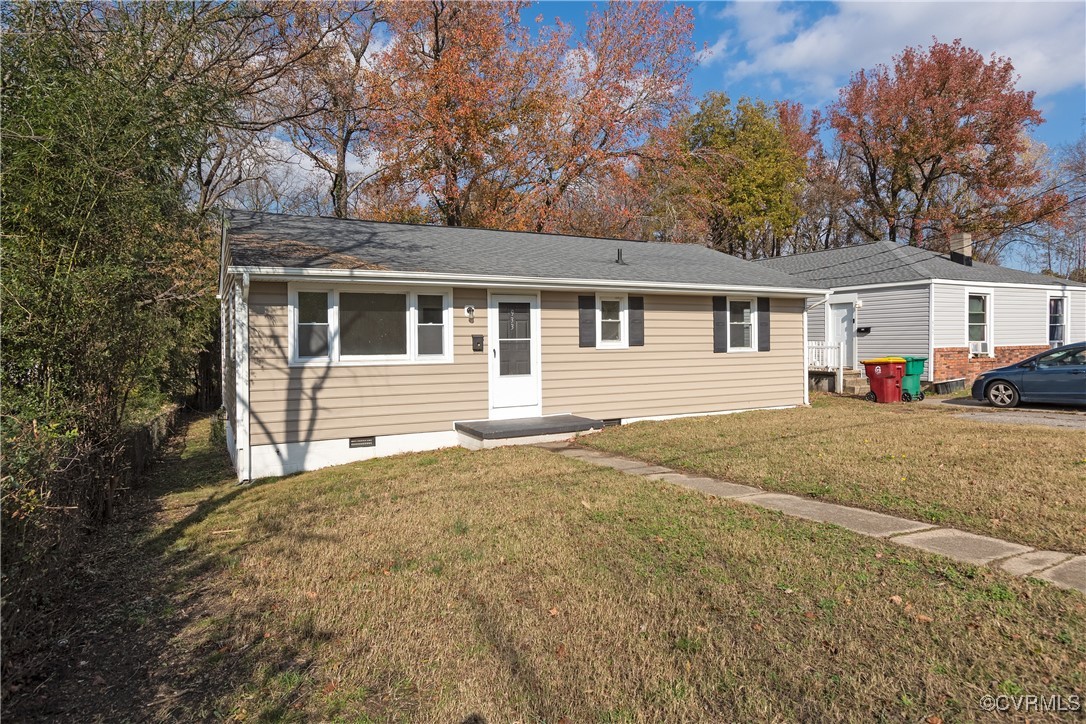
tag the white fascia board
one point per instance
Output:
(922, 282)
(494, 282)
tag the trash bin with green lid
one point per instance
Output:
(910, 383)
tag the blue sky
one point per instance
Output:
(805, 51)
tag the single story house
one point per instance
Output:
(964, 316)
(348, 339)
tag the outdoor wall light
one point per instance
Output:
(469, 312)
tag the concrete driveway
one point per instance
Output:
(1069, 418)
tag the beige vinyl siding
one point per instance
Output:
(295, 404)
(676, 372)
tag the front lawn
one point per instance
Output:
(518, 585)
(1021, 483)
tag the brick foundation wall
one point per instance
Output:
(954, 362)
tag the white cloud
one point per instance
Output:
(712, 53)
(1046, 41)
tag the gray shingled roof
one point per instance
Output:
(885, 262)
(308, 242)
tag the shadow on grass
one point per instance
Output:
(112, 641)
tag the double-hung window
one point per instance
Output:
(1056, 321)
(371, 327)
(312, 332)
(612, 324)
(741, 325)
(978, 323)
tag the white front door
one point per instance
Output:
(843, 329)
(514, 356)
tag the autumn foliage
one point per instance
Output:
(937, 142)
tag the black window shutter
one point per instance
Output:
(586, 307)
(637, 321)
(720, 324)
(763, 324)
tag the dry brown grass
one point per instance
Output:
(1022, 483)
(517, 585)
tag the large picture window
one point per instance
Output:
(372, 324)
(370, 327)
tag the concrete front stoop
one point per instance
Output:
(1065, 570)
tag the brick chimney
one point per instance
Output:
(961, 248)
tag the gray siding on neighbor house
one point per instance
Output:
(949, 322)
(1076, 315)
(816, 320)
(898, 318)
(1020, 316)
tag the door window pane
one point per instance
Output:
(514, 338)
(373, 324)
(740, 326)
(431, 324)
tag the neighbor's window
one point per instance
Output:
(372, 324)
(740, 324)
(1056, 336)
(431, 324)
(611, 330)
(312, 334)
(978, 324)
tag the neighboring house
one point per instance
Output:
(964, 316)
(347, 339)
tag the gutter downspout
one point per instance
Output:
(241, 373)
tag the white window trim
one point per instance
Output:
(624, 321)
(753, 301)
(989, 320)
(335, 358)
(1048, 307)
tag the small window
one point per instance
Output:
(312, 324)
(1056, 324)
(431, 324)
(611, 330)
(372, 324)
(740, 324)
(978, 324)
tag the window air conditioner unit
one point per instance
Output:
(978, 348)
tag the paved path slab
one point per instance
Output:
(962, 546)
(878, 525)
(1028, 563)
(1071, 574)
(710, 486)
(1060, 569)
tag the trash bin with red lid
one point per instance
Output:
(885, 375)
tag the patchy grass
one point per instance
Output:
(1022, 483)
(518, 585)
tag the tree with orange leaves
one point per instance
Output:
(937, 143)
(496, 126)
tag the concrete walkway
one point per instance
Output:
(1061, 569)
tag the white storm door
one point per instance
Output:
(843, 329)
(514, 356)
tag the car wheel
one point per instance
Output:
(1002, 394)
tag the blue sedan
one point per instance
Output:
(1057, 376)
